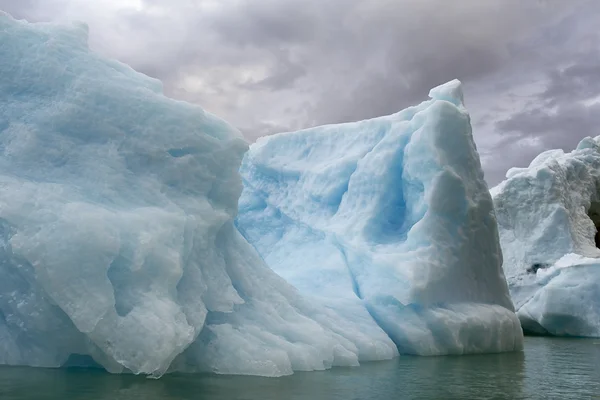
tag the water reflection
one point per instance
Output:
(566, 368)
(549, 368)
(498, 376)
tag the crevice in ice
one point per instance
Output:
(336, 199)
(594, 214)
(568, 325)
(184, 151)
(355, 285)
(216, 318)
(122, 279)
(388, 225)
(533, 269)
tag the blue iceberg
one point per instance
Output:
(548, 218)
(391, 214)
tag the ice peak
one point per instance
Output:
(450, 91)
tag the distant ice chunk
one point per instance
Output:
(548, 217)
(117, 243)
(391, 214)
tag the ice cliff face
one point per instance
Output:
(117, 244)
(548, 216)
(391, 214)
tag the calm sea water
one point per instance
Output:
(547, 369)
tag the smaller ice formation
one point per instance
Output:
(391, 215)
(548, 217)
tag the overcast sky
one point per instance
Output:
(531, 68)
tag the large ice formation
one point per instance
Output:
(391, 214)
(548, 217)
(117, 243)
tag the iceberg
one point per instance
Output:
(120, 247)
(117, 240)
(548, 218)
(391, 215)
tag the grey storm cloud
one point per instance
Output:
(274, 65)
(567, 106)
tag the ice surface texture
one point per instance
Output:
(391, 214)
(117, 243)
(548, 215)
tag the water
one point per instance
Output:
(548, 369)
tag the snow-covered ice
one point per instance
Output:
(391, 214)
(548, 216)
(117, 243)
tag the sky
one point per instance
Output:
(530, 68)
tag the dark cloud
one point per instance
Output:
(578, 81)
(428, 46)
(567, 107)
(284, 74)
(273, 65)
(268, 23)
